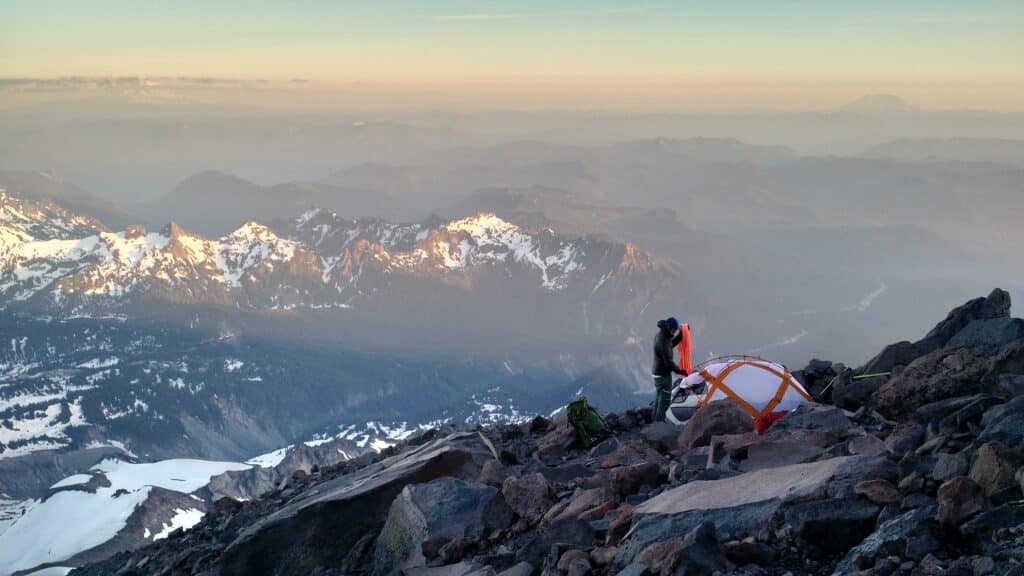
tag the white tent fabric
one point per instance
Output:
(757, 383)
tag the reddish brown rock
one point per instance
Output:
(529, 496)
(717, 418)
(959, 499)
(879, 491)
(627, 480)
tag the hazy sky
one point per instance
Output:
(935, 53)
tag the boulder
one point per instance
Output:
(634, 570)
(621, 522)
(520, 569)
(698, 553)
(630, 453)
(701, 553)
(832, 525)
(745, 502)
(867, 445)
(878, 490)
(773, 450)
(955, 409)
(994, 467)
(1004, 424)
(995, 305)
(574, 563)
(935, 376)
(951, 465)
(605, 447)
(1010, 385)
(493, 473)
(661, 436)
(989, 335)
(890, 538)
(580, 502)
(719, 417)
(603, 555)
(627, 480)
(850, 394)
(290, 540)
(530, 496)
(816, 417)
(744, 553)
(958, 499)
(444, 510)
(554, 445)
(905, 439)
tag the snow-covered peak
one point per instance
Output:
(482, 225)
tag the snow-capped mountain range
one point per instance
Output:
(169, 344)
(54, 259)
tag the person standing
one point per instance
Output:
(664, 365)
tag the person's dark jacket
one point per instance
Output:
(664, 364)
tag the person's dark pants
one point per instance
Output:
(662, 396)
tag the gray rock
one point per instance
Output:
(1011, 385)
(905, 439)
(445, 509)
(574, 563)
(743, 553)
(994, 467)
(744, 502)
(634, 570)
(850, 394)
(1004, 423)
(890, 538)
(661, 436)
(607, 446)
(815, 417)
(833, 525)
(936, 376)
(951, 465)
(867, 445)
(988, 335)
(347, 508)
(701, 554)
(520, 569)
(995, 305)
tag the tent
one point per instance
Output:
(764, 389)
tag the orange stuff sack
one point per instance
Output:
(685, 349)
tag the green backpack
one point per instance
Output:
(590, 427)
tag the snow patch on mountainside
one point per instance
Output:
(87, 519)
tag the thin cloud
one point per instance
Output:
(498, 16)
(479, 17)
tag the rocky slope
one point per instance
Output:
(920, 475)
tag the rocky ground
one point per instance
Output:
(916, 472)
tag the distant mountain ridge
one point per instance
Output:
(55, 260)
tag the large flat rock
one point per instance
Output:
(319, 529)
(743, 502)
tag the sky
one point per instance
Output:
(938, 53)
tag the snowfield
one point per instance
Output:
(72, 521)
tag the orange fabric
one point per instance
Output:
(685, 349)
